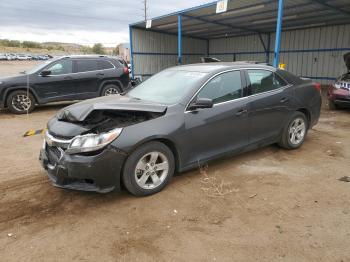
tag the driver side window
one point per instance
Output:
(61, 67)
(222, 88)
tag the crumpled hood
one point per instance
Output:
(80, 111)
(347, 61)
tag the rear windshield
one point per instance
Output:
(289, 77)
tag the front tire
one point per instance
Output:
(111, 89)
(148, 169)
(294, 133)
(20, 102)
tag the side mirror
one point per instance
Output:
(45, 73)
(201, 103)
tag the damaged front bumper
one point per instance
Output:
(99, 173)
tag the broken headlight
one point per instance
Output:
(92, 142)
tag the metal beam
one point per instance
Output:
(341, 11)
(268, 48)
(278, 33)
(179, 39)
(131, 52)
(169, 33)
(262, 42)
(221, 24)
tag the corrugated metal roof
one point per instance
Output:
(254, 16)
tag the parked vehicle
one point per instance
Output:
(40, 57)
(63, 79)
(23, 57)
(174, 121)
(10, 57)
(339, 92)
(3, 57)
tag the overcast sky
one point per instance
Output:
(79, 21)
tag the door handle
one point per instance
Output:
(284, 100)
(100, 74)
(241, 112)
(67, 78)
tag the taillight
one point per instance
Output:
(317, 86)
(126, 70)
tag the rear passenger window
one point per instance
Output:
(86, 65)
(103, 64)
(222, 88)
(262, 81)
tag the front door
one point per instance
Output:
(58, 85)
(215, 131)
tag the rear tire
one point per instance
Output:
(20, 102)
(295, 131)
(148, 169)
(332, 105)
(111, 89)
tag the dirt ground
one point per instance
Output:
(8, 68)
(266, 205)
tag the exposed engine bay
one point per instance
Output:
(104, 120)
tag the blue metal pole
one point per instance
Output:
(278, 33)
(131, 53)
(179, 39)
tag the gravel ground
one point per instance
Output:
(266, 205)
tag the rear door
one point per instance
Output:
(87, 77)
(223, 128)
(269, 102)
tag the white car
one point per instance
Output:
(10, 57)
(3, 57)
(23, 57)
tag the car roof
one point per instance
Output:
(92, 56)
(220, 66)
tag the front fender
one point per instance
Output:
(10, 89)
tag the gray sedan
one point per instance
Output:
(174, 121)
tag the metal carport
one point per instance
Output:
(312, 34)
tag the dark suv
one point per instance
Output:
(64, 79)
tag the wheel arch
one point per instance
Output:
(307, 113)
(166, 141)
(111, 82)
(13, 89)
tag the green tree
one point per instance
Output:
(31, 44)
(98, 49)
(116, 50)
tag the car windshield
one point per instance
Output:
(38, 67)
(166, 87)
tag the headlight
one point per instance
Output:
(337, 85)
(92, 142)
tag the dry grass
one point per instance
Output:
(214, 186)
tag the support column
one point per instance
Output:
(131, 53)
(268, 48)
(179, 40)
(278, 34)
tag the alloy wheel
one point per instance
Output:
(297, 131)
(111, 91)
(21, 102)
(151, 170)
